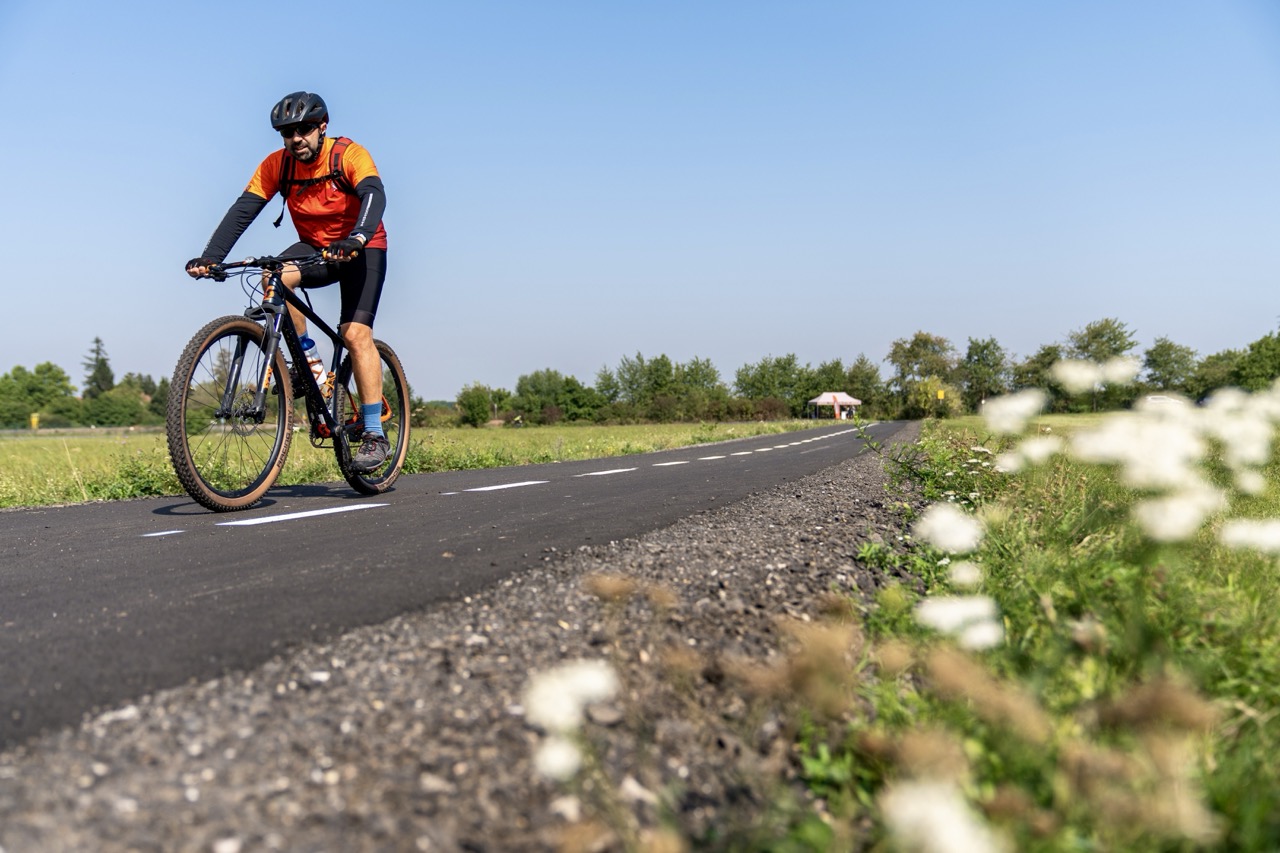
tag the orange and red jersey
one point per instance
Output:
(322, 213)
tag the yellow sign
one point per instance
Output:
(35, 420)
(941, 394)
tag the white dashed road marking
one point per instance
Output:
(249, 522)
(311, 513)
(508, 486)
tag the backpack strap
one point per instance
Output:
(339, 178)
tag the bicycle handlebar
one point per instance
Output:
(218, 271)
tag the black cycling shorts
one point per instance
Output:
(361, 279)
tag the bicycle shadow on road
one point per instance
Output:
(330, 491)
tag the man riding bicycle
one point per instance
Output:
(336, 201)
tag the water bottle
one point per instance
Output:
(314, 363)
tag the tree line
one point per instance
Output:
(47, 392)
(928, 376)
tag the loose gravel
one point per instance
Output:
(412, 735)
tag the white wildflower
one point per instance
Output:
(1246, 533)
(1152, 453)
(1009, 462)
(1009, 414)
(1037, 450)
(555, 700)
(972, 619)
(981, 636)
(949, 529)
(965, 574)
(557, 758)
(1076, 376)
(1251, 482)
(1178, 516)
(1120, 370)
(931, 816)
(1245, 433)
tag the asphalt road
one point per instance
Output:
(102, 603)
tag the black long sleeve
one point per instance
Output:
(373, 203)
(239, 217)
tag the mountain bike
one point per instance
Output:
(231, 410)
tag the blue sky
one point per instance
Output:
(572, 182)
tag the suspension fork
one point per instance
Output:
(271, 312)
(233, 381)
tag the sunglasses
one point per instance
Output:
(303, 130)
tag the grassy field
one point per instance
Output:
(41, 468)
(1100, 670)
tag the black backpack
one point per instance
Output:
(288, 182)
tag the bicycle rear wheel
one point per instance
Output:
(395, 422)
(225, 455)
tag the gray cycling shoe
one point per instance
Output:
(372, 453)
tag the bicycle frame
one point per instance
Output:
(279, 326)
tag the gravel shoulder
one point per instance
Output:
(412, 735)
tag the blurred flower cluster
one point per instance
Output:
(555, 701)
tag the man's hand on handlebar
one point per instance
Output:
(202, 267)
(343, 250)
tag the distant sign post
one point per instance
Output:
(35, 420)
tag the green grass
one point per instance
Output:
(48, 467)
(1156, 667)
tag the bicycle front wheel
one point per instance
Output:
(225, 452)
(395, 423)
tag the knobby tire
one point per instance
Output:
(395, 423)
(227, 463)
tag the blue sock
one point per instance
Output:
(372, 417)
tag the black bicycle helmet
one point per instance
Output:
(299, 107)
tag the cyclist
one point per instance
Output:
(337, 212)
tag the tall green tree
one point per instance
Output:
(1101, 340)
(143, 382)
(98, 378)
(44, 390)
(607, 385)
(1260, 364)
(579, 402)
(780, 378)
(538, 395)
(1168, 366)
(863, 381)
(474, 405)
(160, 399)
(547, 396)
(915, 360)
(829, 376)
(984, 372)
(122, 405)
(699, 394)
(1213, 372)
(1034, 372)
(698, 373)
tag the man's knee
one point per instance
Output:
(356, 334)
